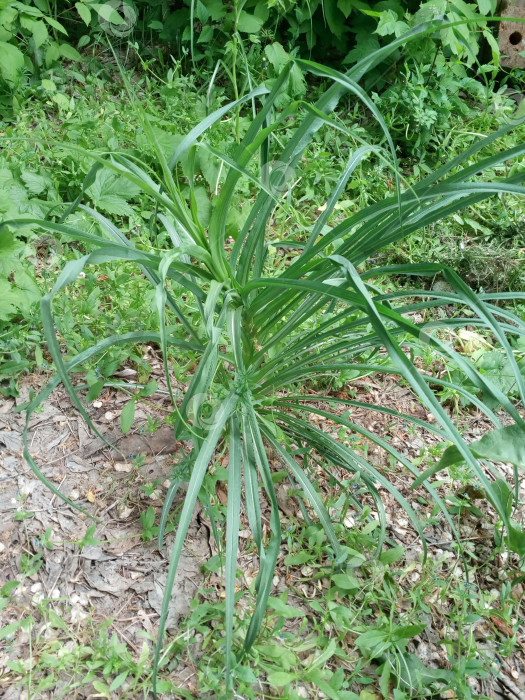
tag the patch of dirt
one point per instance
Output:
(120, 577)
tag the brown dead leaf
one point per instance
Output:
(505, 629)
(222, 495)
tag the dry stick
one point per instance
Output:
(119, 632)
(54, 495)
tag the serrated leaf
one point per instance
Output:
(497, 366)
(167, 141)
(127, 416)
(8, 587)
(9, 630)
(110, 193)
(56, 621)
(113, 204)
(16, 299)
(35, 182)
(276, 55)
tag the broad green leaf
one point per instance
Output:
(108, 13)
(501, 496)
(56, 25)
(407, 631)
(373, 641)
(247, 23)
(40, 33)
(127, 416)
(286, 611)
(94, 390)
(119, 680)
(276, 55)
(390, 556)
(297, 559)
(69, 52)
(280, 678)
(346, 6)
(502, 445)
(150, 388)
(516, 538)
(346, 582)
(11, 63)
(84, 12)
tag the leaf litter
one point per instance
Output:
(118, 577)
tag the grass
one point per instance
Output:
(388, 631)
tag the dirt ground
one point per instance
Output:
(122, 577)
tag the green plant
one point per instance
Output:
(31, 41)
(260, 335)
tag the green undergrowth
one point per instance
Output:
(485, 245)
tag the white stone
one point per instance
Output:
(123, 467)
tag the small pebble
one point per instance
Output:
(124, 512)
(77, 614)
(109, 415)
(123, 467)
(97, 404)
